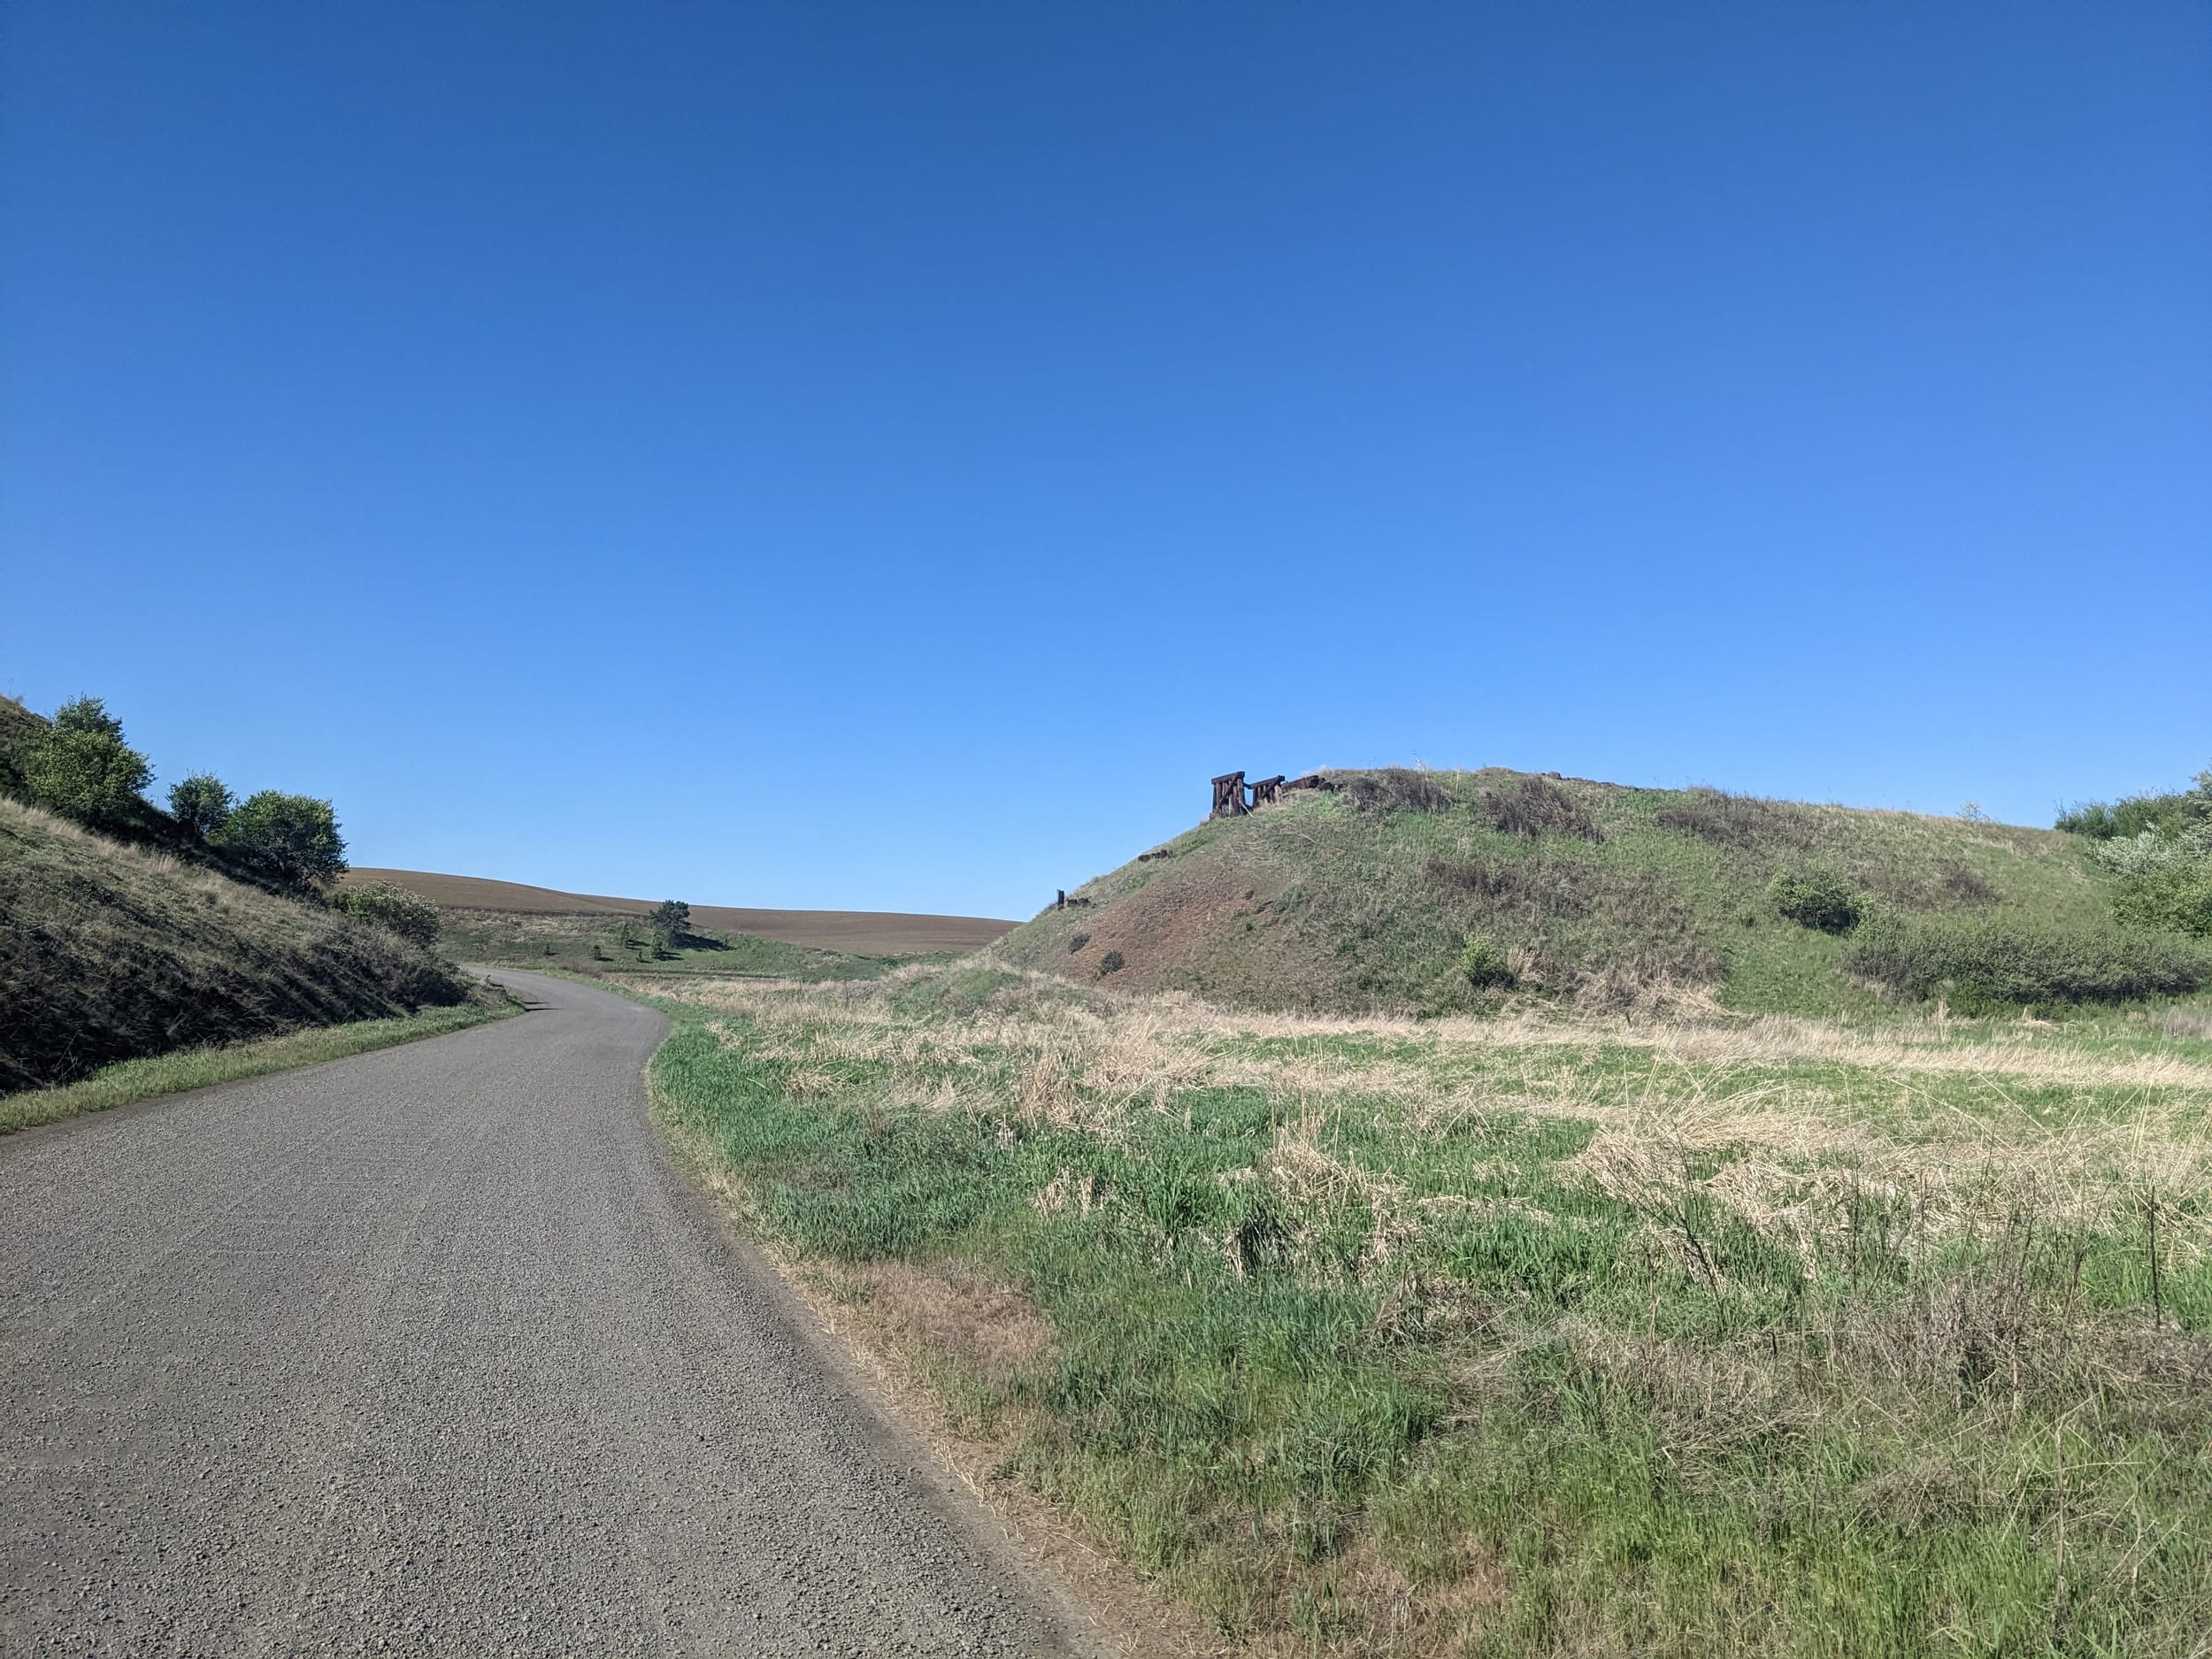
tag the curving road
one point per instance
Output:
(428, 1352)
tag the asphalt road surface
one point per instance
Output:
(428, 1352)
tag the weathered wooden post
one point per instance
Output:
(1229, 796)
(1063, 903)
(1267, 791)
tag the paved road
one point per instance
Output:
(427, 1352)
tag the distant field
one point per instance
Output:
(857, 933)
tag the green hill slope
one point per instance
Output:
(109, 951)
(1369, 893)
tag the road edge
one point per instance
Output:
(1103, 1608)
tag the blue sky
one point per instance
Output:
(891, 456)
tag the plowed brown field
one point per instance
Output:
(862, 933)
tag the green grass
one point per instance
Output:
(1763, 1338)
(129, 1081)
(1610, 897)
(598, 944)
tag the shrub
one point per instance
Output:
(1485, 965)
(1110, 963)
(388, 905)
(2137, 815)
(1077, 942)
(1738, 820)
(2178, 899)
(1962, 886)
(292, 837)
(2165, 880)
(1815, 896)
(1981, 961)
(87, 773)
(1396, 789)
(1534, 805)
(201, 804)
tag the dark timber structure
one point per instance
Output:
(1229, 791)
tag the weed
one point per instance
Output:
(1738, 820)
(1485, 965)
(1395, 789)
(1534, 806)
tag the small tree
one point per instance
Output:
(201, 804)
(669, 921)
(293, 837)
(388, 905)
(86, 773)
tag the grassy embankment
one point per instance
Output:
(129, 1081)
(1566, 1329)
(1368, 897)
(112, 950)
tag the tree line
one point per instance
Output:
(83, 768)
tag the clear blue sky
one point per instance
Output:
(891, 455)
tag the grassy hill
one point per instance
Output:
(1369, 893)
(110, 950)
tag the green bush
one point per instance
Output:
(85, 774)
(2137, 815)
(201, 804)
(1110, 963)
(2177, 899)
(1815, 896)
(1485, 965)
(1983, 961)
(2164, 880)
(292, 837)
(388, 905)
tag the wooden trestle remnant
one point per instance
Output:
(1229, 792)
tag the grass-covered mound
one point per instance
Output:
(1435, 892)
(111, 950)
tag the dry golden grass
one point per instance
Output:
(1714, 1284)
(1813, 1118)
